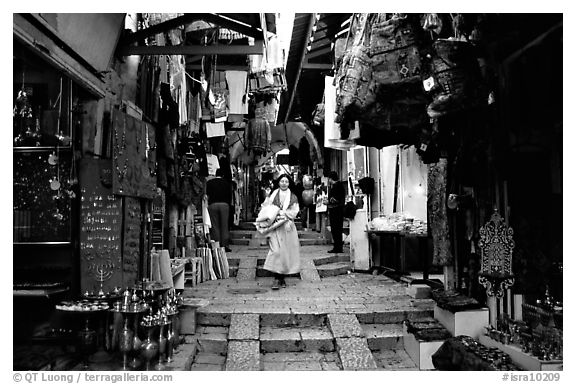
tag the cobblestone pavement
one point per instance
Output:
(344, 322)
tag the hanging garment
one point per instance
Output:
(194, 115)
(437, 213)
(220, 105)
(258, 136)
(213, 164)
(238, 99)
(215, 130)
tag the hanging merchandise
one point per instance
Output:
(354, 74)
(267, 72)
(267, 107)
(318, 114)
(257, 136)
(366, 185)
(213, 164)
(332, 128)
(194, 114)
(215, 130)
(437, 213)
(237, 85)
(456, 81)
(394, 49)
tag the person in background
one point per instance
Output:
(219, 192)
(284, 255)
(336, 199)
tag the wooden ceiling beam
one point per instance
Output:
(189, 18)
(318, 52)
(256, 49)
(161, 28)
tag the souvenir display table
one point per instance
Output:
(144, 330)
(464, 353)
(397, 261)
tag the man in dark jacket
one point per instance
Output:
(336, 198)
(219, 192)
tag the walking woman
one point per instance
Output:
(284, 255)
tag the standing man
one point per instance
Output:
(219, 192)
(336, 197)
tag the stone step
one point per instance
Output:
(296, 339)
(301, 361)
(319, 241)
(212, 339)
(367, 314)
(333, 269)
(384, 336)
(331, 258)
(394, 360)
(239, 241)
(310, 235)
(205, 361)
(242, 234)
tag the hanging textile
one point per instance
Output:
(213, 164)
(215, 130)
(437, 213)
(331, 128)
(238, 99)
(457, 79)
(258, 136)
(394, 50)
(195, 114)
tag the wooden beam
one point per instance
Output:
(319, 52)
(311, 20)
(198, 67)
(256, 49)
(233, 25)
(531, 44)
(187, 19)
(160, 28)
(317, 66)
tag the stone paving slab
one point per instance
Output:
(183, 357)
(345, 325)
(354, 354)
(246, 274)
(300, 356)
(209, 358)
(310, 275)
(384, 336)
(394, 360)
(205, 367)
(244, 327)
(249, 262)
(302, 366)
(243, 356)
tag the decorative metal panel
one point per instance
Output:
(497, 245)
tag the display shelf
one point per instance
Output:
(523, 359)
(39, 292)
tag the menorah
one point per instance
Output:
(102, 273)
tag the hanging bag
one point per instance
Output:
(456, 76)
(355, 73)
(394, 49)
